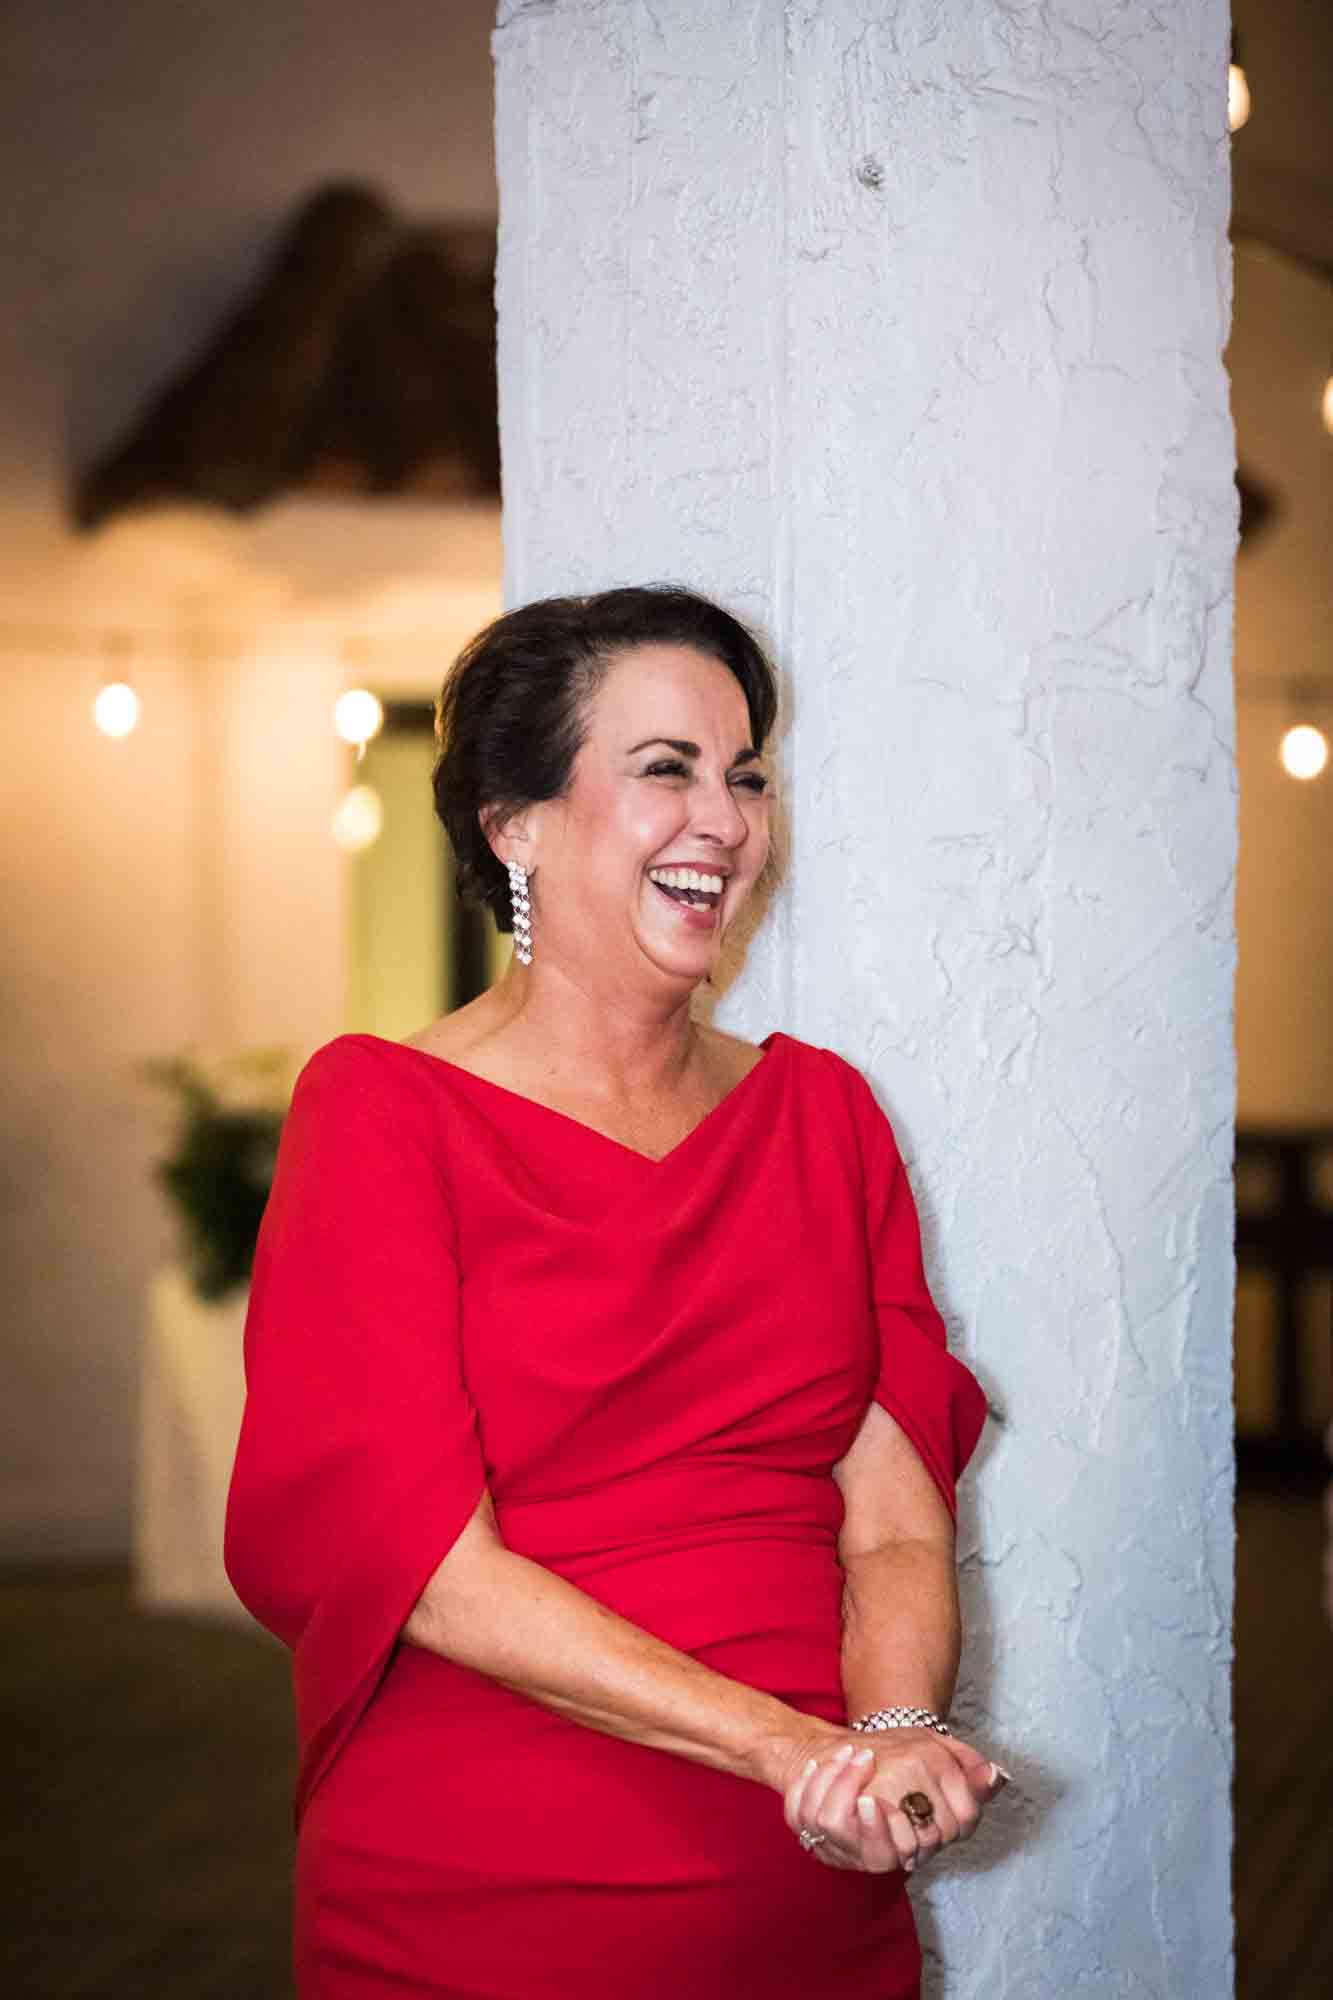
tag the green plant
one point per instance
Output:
(219, 1175)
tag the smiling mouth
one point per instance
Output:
(695, 899)
(697, 890)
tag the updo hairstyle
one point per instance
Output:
(512, 714)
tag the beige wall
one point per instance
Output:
(178, 887)
(1280, 355)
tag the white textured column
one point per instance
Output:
(898, 329)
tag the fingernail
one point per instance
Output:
(811, 1764)
(1000, 1775)
(908, 1866)
(841, 1755)
(864, 1757)
(865, 1805)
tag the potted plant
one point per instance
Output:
(217, 1177)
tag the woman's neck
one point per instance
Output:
(609, 1042)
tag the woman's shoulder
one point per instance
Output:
(362, 1077)
(810, 1052)
(347, 1055)
(841, 1085)
(819, 1063)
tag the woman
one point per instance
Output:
(599, 1453)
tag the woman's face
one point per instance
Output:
(666, 780)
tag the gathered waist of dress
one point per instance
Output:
(732, 1563)
(682, 1503)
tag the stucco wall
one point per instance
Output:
(900, 330)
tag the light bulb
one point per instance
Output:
(116, 708)
(1238, 97)
(1304, 751)
(358, 715)
(358, 818)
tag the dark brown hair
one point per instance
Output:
(512, 715)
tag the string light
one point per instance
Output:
(116, 708)
(1238, 97)
(357, 716)
(1304, 751)
(1303, 747)
(358, 818)
(116, 705)
(1238, 89)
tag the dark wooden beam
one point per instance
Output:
(363, 361)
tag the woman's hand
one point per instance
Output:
(853, 1796)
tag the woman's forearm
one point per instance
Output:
(522, 1625)
(901, 1627)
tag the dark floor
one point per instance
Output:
(1283, 1706)
(144, 1842)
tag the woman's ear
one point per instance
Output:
(507, 834)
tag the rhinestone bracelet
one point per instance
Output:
(902, 1718)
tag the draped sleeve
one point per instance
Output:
(359, 1461)
(937, 1401)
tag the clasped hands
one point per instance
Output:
(851, 1793)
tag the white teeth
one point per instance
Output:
(687, 878)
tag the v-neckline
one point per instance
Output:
(566, 1118)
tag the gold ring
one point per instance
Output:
(918, 1808)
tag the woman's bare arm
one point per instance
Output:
(522, 1625)
(902, 1632)
(900, 1647)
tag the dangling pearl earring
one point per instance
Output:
(518, 900)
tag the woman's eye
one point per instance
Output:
(672, 767)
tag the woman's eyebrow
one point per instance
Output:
(687, 749)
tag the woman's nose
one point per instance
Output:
(718, 816)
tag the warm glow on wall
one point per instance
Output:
(116, 708)
(1304, 751)
(1326, 406)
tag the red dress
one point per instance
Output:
(653, 1367)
